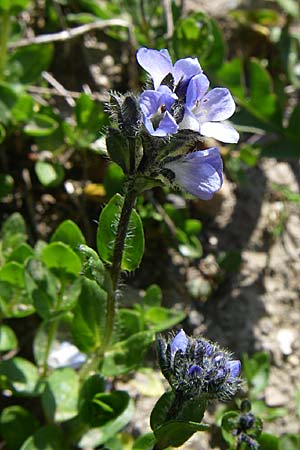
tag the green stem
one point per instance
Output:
(112, 284)
(50, 337)
(4, 35)
(52, 332)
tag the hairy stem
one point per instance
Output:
(112, 284)
(115, 270)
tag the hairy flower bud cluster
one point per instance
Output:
(197, 367)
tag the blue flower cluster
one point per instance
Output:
(197, 367)
(180, 100)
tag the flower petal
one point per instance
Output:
(149, 102)
(199, 173)
(234, 367)
(220, 131)
(166, 126)
(196, 89)
(184, 70)
(189, 121)
(180, 342)
(156, 62)
(218, 104)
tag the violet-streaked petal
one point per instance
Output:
(166, 126)
(194, 370)
(196, 89)
(167, 96)
(189, 121)
(199, 173)
(149, 102)
(149, 125)
(156, 62)
(180, 342)
(234, 367)
(220, 131)
(183, 71)
(217, 105)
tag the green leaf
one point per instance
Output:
(42, 286)
(40, 125)
(297, 401)
(153, 296)
(128, 322)
(14, 299)
(293, 126)
(92, 267)
(257, 370)
(192, 248)
(48, 437)
(229, 423)
(60, 397)
(14, 6)
(20, 63)
(90, 119)
(13, 273)
(175, 432)
(13, 233)
(145, 442)
(21, 253)
(198, 35)
(89, 316)
(289, 442)
(127, 355)
(8, 339)
(192, 227)
(40, 343)
(19, 375)
(118, 149)
(98, 436)
(49, 174)
(291, 7)
(8, 98)
(282, 149)
(257, 97)
(159, 318)
(268, 442)
(113, 180)
(61, 257)
(17, 423)
(68, 233)
(104, 407)
(107, 231)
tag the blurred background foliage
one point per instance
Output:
(58, 60)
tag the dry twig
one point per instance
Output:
(72, 33)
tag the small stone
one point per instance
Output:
(285, 338)
(274, 397)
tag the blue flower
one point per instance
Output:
(180, 342)
(158, 64)
(155, 106)
(199, 173)
(197, 367)
(206, 111)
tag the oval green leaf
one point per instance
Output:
(107, 232)
(58, 255)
